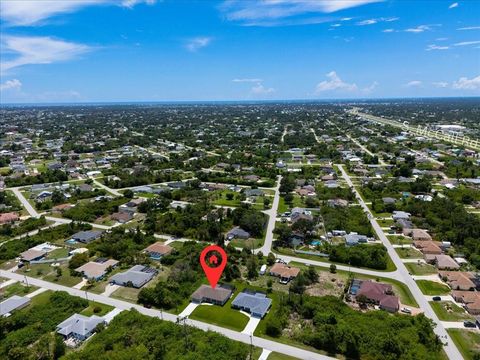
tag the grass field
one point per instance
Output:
(467, 341)
(223, 316)
(408, 253)
(432, 287)
(16, 289)
(278, 356)
(421, 269)
(449, 311)
(103, 309)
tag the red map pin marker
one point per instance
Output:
(210, 254)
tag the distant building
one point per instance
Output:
(86, 236)
(284, 272)
(238, 233)
(96, 270)
(136, 276)
(157, 250)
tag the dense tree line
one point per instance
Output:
(25, 226)
(350, 219)
(138, 337)
(90, 211)
(331, 325)
(361, 255)
(48, 176)
(26, 333)
(449, 221)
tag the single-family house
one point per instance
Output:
(96, 270)
(86, 236)
(255, 303)
(284, 272)
(9, 218)
(218, 295)
(458, 280)
(417, 234)
(32, 255)
(79, 327)
(136, 276)
(157, 250)
(13, 303)
(354, 239)
(238, 233)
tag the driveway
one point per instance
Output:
(251, 325)
(189, 309)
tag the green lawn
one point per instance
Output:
(16, 289)
(449, 311)
(101, 309)
(278, 356)
(249, 243)
(408, 253)
(467, 341)
(432, 287)
(421, 269)
(223, 316)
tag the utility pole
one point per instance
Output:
(251, 346)
(26, 281)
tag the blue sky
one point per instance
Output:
(146, 50)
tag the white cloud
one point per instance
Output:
(467, 84)
(413, 83)
(336, 25)
(436, 47)
(419, 29)
(374, 21)
(454, 5)
(346, 19)
(440, 84)
(11, 84)
(388, 30)
(247, 80)
(466, 43)
(367, 22)
(37, 50)
(198, 43)
(334, 83)
(469, 28)
(34, 12)
(275, 12)
(259, 89)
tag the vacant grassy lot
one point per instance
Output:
(278, 356)
(432, 287)
(223, 316)
(467, 341)
(16, 289)
(408, 253)
(421, 268)
(98, 309)
(449, 311)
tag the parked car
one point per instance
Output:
(469, 324)
(436, 298)
(406, 310)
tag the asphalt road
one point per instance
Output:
(405, 277)
(272, 217)
(25, 203)
(123, 305)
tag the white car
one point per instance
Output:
(406, 310)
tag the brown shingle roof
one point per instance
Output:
(284, 271)
(207, 293)
(159, 248)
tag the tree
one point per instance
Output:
(128, 194)
(333, 268)
(270, 259)
(229, 196)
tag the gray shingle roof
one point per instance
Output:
(138, 275)
(78, 324)
(12, 303)
(256, 304)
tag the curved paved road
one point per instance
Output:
(405, 277)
